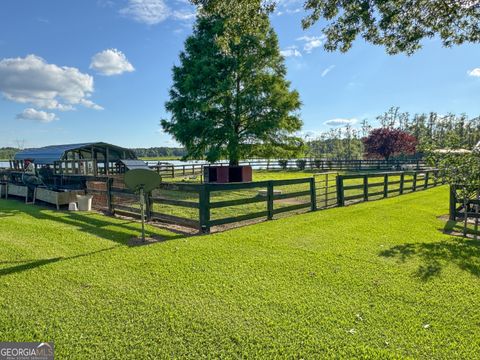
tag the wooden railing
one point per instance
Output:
(193, 205)
(358, 187)
(203, 206)
(196, 170)
(461, 207)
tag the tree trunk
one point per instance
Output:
(234, 144)
(233, 155)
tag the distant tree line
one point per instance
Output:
(431, 131)
(7, 153)
(340, 143)
(160, 152)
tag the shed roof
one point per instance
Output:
(134, 164)
(49, 154)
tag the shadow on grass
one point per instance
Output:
(464, 253)
(4, 213)
(27, 266)
(119, 231)
(32, 264)
(456, 228)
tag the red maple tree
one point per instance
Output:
(385, 142)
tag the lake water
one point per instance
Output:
(6, 164)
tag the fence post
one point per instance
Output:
(204, 208)
(365, 188)
(109, 196)
(270, 200)
(326, 190)
(402, 180)
(340, 192)
(385, 186)
(149, 205)
(425, 185)
(453, 203)
(435, 178)
(414, 184)
(313, 194)
(173, 171)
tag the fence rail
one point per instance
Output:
(203, 206)
(463, 207)
(192, 170)
(393, 182)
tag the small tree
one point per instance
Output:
(231, 100)
(385, 142)
(462, 171)
(301, 164)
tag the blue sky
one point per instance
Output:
(100, 70)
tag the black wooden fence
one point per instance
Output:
(363, 187)
(192, 205)
(461, 207)
(203, 206)
(196, 170)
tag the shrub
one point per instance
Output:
(301, 164)
(283, 164)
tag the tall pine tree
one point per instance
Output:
(230, 100)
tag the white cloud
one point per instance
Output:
(311, 42)
(149, 12)
(152, 12)
(111, 62)
(291, 51)
(37, 115)
(90, 104)
(184, 15)
(474, 72)
(289, 7)
(340, 122)
(288, 11)
(31, 80)
(327, 70)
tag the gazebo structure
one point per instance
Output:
(95, 158)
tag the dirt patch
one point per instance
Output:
(452, 232)
(138, 241)
(291, 201)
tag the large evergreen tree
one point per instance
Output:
(231, 99)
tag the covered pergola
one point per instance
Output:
(92, 158)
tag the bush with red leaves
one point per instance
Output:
(385, 142)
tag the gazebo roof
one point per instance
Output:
(52, 153)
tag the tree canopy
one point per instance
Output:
(386, 142)
(398, 25)
(232, 101)
(7, 153)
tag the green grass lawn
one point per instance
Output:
(374, 280)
